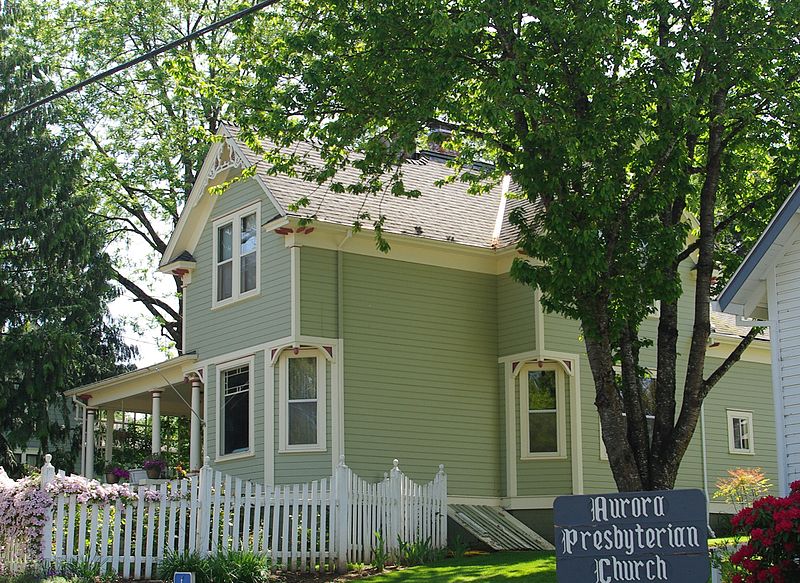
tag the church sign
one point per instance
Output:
(632, 536)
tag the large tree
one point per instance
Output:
(143, 131)
(54, 329)
(621, 118)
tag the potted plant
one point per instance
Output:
(114, 473)
(154, 465)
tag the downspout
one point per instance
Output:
(705, 466)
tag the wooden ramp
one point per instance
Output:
(497, 528)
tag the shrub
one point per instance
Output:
(187, 562)
(238, 567)
(772, 553)
(742, 487)
(381, 555)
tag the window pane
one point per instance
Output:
(541, 390)
(302, 423)
(248, 235)
(543, 432)
(236, 410)
(224, 281)
(224, 242)
(237, 380)
(248, 275)
(303, 378)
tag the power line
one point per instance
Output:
(149, 55)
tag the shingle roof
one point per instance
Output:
(447, 213)
(726, 324)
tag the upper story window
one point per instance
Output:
(543, 420)
(303, 388)
(236, 255)
(235, 419)
(740, 432)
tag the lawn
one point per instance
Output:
(519, 567)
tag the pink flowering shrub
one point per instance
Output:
(24, 509)
(773, 552)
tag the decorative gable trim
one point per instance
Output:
(224, 157)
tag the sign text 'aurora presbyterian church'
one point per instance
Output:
(632, 536)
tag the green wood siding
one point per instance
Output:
(249, 322)
(318, 295)
(214, 333)
(516, 322)
(421, 373)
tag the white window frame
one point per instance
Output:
(220, 369)
(618, 370)
(561, 413)
(236, 219)
(322, 397)
(748, 416)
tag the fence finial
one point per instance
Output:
(48, 472)
(396, 463)
(207, 461)
(441, 469)
(341, 461)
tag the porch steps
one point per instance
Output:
(497, 528)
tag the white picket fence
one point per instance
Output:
(320, 525)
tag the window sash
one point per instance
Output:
(302, 435)
(234, 426)
(236, 255)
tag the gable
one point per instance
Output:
(223, 162)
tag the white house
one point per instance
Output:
(766, 291)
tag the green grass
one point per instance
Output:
(520, 567)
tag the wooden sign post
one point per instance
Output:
(632, 536)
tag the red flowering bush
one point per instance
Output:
(773, 552)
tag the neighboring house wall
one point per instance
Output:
(784, 313)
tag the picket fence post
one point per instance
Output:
(203, 532)
(341, 508)
(441, 480)
(395, 530)
(48, 474)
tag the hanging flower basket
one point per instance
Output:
(154, 466)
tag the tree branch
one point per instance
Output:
(732, 359)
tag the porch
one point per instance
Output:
(173, 388)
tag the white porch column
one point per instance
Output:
(195, 425)
(156, 441)
(109, 434)
(90, 416)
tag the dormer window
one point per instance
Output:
(236, 255)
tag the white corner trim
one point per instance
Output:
(337, 404)
(295, 290)
(250, 362)
(511, 432)
(538, 319)
(269, 421)
(283, 409)
(576, 429)
(777, 383)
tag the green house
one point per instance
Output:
(304, 343)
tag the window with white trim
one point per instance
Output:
(303, 387)
(236, 255)
(740, 432)
(235, 423)
(543, 420)
(647, 392)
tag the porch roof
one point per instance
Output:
(131, 391)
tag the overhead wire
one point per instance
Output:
(141, 58)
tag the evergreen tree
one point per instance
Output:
(55, 332)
